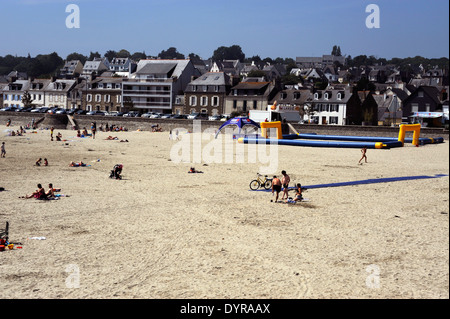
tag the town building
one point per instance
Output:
(207, 94)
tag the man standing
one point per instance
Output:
(285, 180)
(276, 187)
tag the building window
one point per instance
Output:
(88, 98)
(333, 120)
(215, 101)
(204, 101)
(194, 88)
(107, 98)
(414, 107)
(255, 105)
(193, 101)
(316, 96)
(98, 98)
(420, 94)
(338, 96)
(234, 104)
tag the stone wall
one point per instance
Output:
(44, 120)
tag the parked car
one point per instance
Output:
(111, 113)
(132, 114)
(72, 111)
(81, 112)
(155, 116)
(214, 118)
(44, 109)
(197, 116)
(25, 109)
(147, 115)
(166, 116)
(118, 114)
(193, 116)
(52, 110)
(61, 111)
(8, 109)
(36, 110)
(95, 113)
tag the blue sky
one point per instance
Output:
(283, 28)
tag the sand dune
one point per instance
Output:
(163, 233)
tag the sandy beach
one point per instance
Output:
(163, 233)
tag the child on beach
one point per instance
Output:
(45, 162)
(38, 162)
(364, 156)
(3, 150)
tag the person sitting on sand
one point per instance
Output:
(298, 194)
(51, 191)
(38, 162)
(45, 162)
(276, 187)
(38, 194)
(78, 133)
(59, 136)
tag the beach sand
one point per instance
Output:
(163, 233)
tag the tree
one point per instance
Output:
(336, 50)
(123, 54)
(194, 58)
(110, 54)
(77, 56)
(136, 56)
(291, 79)
(256, 74)
(94, 55)
(233, 52)
(170, 53)
(26, 99)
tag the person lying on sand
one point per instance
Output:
(75, 164)
(193, 170)
(110, 138)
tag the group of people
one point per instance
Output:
(39, 162)
(40, 193)
(283, 184)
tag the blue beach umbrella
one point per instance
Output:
(240, 122)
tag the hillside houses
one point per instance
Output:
(323, 89)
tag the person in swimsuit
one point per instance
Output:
(276, 187)
(285, 181)
(38, 194)
(364, 156)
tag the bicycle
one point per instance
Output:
(261, 182)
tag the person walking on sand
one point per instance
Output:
(51, 133)
(276, 187)
(285, 180)
(364, 156)
(3, 150)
